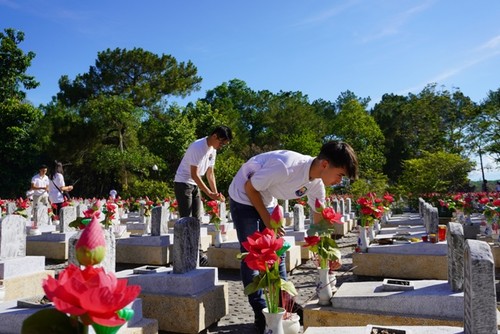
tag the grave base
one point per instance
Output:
(51, 245)
(363, 330)
(24, 286)
(187, 314)
(225, 256)
(416, 266)
(154, 250)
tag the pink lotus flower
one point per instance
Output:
(277, 218)
(91, 294)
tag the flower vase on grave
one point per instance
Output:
(323, 288)
(291, 323)
(218, 239)
(274, 321)
(362, 239)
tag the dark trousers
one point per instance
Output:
(188, 200)
(246, 222)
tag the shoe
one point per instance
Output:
(203, 260)
(260, 325)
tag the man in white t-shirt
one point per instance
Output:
(199, 160)
(282, 175)
(40, 187)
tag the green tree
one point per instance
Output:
(137, 75)
(355, 126)
(440, 172)
(19, 138)
(13, 66)
(489, 121)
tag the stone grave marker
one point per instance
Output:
(67, 215)
(12, 237)
(11, 207)
(80, 209)
(159, 220)
(480, 306)
(341, 206)
(222, 212)
(186, 243)
(456, 246)
(298, 217)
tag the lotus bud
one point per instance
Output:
(91, 247)
(277, 218)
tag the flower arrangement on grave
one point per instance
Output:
(84, 297)
(148, 206)
(3, 207)
(319, 236)
(108, 210)
(491, 211)
(212, 209)
(172, 207)
(21, 206)
(263, 254)
(370, 208)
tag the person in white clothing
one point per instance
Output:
(57, 187)
(39, 186)
(199, 160)
(282, 175)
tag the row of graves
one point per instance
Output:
(443, 285)
(177, 295)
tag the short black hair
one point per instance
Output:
(340, 154)
(223, 132)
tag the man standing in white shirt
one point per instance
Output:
(40, 187)
(199, 160)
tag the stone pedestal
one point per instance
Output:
(154, 250)
(182, 303)
(51, 245)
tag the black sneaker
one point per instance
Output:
(203, 260)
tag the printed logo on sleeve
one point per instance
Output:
(301, 192)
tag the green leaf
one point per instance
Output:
(51, 321)
(288, 287)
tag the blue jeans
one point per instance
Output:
(247, 221)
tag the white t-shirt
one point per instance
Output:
(198, 154)
(55, 195)
(277, 175)
(39, 181)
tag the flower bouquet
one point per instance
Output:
(212, 209)
(319, 240)
(369, 209)
(264, 251)
(21, 206)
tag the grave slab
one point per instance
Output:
(155, 250)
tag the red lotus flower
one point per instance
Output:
(311, 241)
(91, 247)
(92, 294)
(262, 248)
(331, 216)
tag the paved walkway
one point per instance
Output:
(240, 317)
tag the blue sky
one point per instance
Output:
(321, 48)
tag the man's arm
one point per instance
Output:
(256, 200)
(203, 187)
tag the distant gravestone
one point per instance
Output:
(298, 217)
(11, 207)
(480, 305)
(67, 215)
(222, 212)
(341, 206)
(42, 215)
(159, 220)
(186, 241)
(80, 209)
(348, 205)
(335, 205)
(434, 220)
(286, 206)
(421, 203)
(12, 237)
(456, 246)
